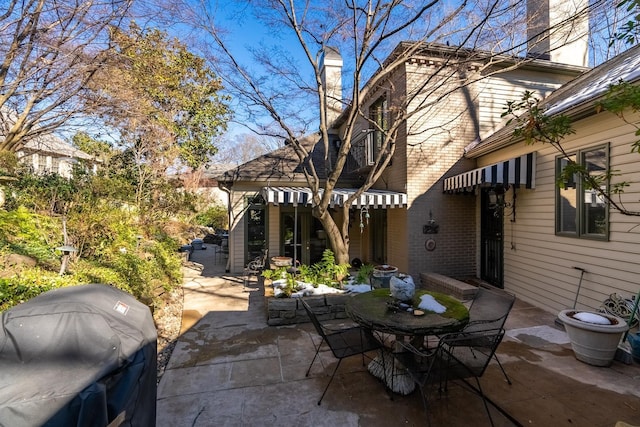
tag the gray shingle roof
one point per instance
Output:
(53, 145)
(594, 83)
(279, 164)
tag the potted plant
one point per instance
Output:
(364, 273)
(268, 276)
(382, 274)
(594, 336)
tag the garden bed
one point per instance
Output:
(289, 311)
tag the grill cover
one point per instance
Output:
(78, 356)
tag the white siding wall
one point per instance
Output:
(496, 90)
(237, 232)
(539, 264)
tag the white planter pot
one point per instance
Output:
(593, 343)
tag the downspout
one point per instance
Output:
(227, 190)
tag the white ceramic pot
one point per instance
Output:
(593, 343)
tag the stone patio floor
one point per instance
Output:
(230, 369)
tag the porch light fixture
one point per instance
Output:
(498, 203)
(496, 197)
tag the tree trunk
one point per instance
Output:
(339, 240)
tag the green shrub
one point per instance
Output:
(91, 272)
(30, 283)
(105, 220)
(26, 233)
(215, 217)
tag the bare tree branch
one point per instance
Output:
(51, 50)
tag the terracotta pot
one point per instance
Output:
(384, 271)
(593, 343)
(382, 274)
(282, 261)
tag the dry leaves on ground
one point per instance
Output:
(168, 320)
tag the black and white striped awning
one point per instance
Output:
(519, 172)
(302, 196)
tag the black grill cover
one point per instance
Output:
(78, 356)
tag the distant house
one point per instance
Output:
(50, 154)
(534, 240)
(204, 183)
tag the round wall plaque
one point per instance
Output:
(430, 244)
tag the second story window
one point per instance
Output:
(580, 211)
(378, 115)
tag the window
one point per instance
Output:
(256, 227)
(580, 212)
(378, 115)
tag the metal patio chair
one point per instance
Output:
(458, 356)
(344, 342)
(258, 264)
(489, 311)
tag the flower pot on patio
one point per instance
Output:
(634, 342)
(594, 336)
(282, 261)
(382, 274)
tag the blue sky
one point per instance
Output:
(242, 31)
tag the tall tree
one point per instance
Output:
(50, 50)
(163, 100)
(295, 97)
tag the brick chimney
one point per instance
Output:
(331, 71)
(550, 38)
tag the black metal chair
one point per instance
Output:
(489, 311)
(344, 342)
(458, 356)
(258, 264)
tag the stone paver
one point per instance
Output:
(230, 369)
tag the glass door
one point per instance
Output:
(256, 228)
(295, 233)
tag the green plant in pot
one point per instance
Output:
(364, 274)
(268, 275)
(333, 273)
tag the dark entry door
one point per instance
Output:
(491, 251)
(378, 235)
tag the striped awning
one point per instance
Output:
(302, 196)
(518, 171)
